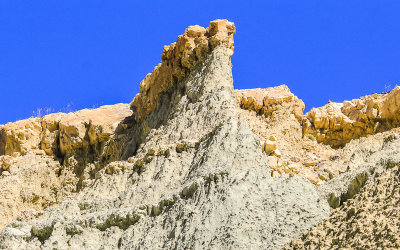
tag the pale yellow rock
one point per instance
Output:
(309, 175)
(32, 185)
(39, 152)
(5, 173)
(266, 101)
(178, 59)
(21, 136)
(295, 167)
(277, 153)
(274, 162)
(275, 174)
(16, 154)
(62, 133)
(336, 124)
(98, 124)
(311, 163)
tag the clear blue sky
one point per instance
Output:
(90, 53)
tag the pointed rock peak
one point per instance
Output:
(179, 59)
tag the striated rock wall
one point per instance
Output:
(336, 124)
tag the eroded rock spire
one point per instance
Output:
(179, 59)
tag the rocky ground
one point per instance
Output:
(192, 163)
(369, 220)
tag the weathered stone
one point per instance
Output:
(272, 138)
(185, 154)
(269, 147)
(5, 173)
(311, 163)
(157, 199)
(178, 60)
(336, 124)
(21, 136)
(61, 134)
(277, 153)
(266, 101)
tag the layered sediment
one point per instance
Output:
(179, 59)
(192, 163)
(336, 124)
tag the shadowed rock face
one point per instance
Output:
(61, 134)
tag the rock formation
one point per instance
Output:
(192, 163)
(336, 124)
(268, 101)
(371, 219)
(179, 59)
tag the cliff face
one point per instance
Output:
(190, 163)
(197, 178)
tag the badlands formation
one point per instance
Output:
(192, 163)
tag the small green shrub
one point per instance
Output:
(311, 137)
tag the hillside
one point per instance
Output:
(192, 163)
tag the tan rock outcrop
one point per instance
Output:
(60, 134)
(177, 61)
(267, 101)
(336, 124)
(21, 136)
(88, 130)
(184, 145)
(33, 181)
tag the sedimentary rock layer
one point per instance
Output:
(269, 100)
(370, 219)
(197, 178)
(179, 59)
(61, 134)
(192, 163)
(336, 124)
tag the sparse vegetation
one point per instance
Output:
(311, 137)
(40, 112)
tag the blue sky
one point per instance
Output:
(80, 54)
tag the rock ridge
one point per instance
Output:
(192, 163)
(336, 124)
(191, 159)
(179, 59)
